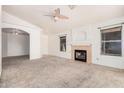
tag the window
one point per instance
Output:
(111, 41)
(63, 43)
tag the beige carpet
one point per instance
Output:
(55, 72)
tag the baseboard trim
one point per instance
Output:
(15, 56)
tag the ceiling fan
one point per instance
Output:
(56, 15)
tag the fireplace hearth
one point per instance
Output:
(81, 55)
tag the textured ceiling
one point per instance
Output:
(80, 15)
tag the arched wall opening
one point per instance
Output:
(35, 39)
(15, 42)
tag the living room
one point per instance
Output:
(85, 40)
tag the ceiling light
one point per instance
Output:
(16, 33)
(56, 18)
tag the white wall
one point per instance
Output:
(112, 61)
(54, 45)
(14, 45)
(4, 45)
(0, 45)
(81, 34)
(10, 21)
(92, 37)
(0, 54)
(44, 48)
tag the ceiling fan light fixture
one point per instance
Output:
(16, 33)
(56, 18)
(71, 6)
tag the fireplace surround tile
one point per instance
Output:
(82, 47)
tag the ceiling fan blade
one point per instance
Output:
(63, 17)
(57, 11)
(56, 15)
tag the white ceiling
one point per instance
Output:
(81, 15)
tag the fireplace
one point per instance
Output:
(81, 55)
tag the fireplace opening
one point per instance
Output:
(81, 55)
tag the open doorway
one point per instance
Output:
(15, 46)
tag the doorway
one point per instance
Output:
(15, 45)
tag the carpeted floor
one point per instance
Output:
(55, 72)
